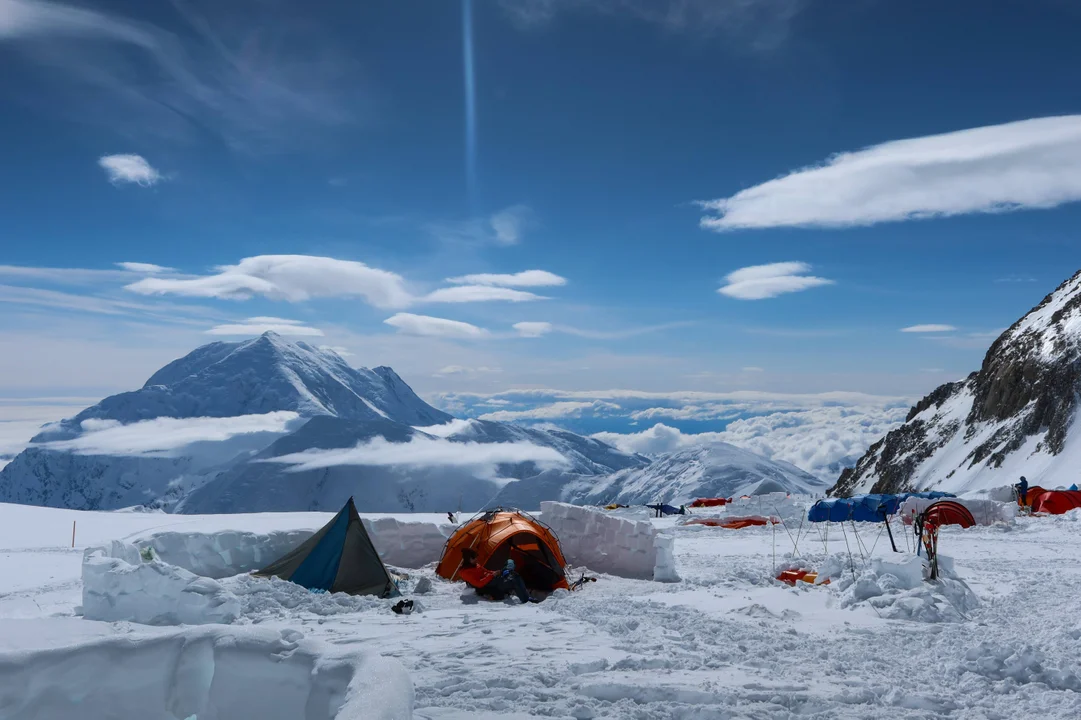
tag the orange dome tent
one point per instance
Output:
(499, 535)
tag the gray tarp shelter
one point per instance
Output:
(338, 558)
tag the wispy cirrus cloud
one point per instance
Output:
(526, 278)
(37, 18)
(757, 24)
(428, 326)
(82, 303)
(260, 325)
(621, 333)
(130, 169)
(759, 282)
(1026, 164)
(505, 227)
(66, 276)
(252, 72)
(928, 328)
(510, 223)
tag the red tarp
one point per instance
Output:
(709, 502)
(1055, 502)
(790, 577)
(733, 523)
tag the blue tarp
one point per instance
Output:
(665, 509)
(864, 508)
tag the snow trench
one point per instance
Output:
(202, 674)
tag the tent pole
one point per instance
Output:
(888, 530)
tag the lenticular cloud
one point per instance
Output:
(1027, 164)
(759, 282)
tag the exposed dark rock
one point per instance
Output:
(1028, 385)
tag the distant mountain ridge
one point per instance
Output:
(1015, 416)
(714, 470)
(338, 406)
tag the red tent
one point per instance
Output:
(947, 512)
(1056, 502)
(709, 502)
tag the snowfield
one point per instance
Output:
(1000, 637)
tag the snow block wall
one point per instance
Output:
(408, 544)
(223, 554)
(664, 569)
(204, 673)
(119, 585)
(607, 543)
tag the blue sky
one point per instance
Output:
(192, 136)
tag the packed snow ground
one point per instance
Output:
(1001, 639)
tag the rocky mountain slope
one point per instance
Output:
(714, 470)
(1013, 417)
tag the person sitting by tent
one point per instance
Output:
(489, 583)
(1022, 490)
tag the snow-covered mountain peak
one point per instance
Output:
(1014, 416)
(1050, 328)
(258, 376)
